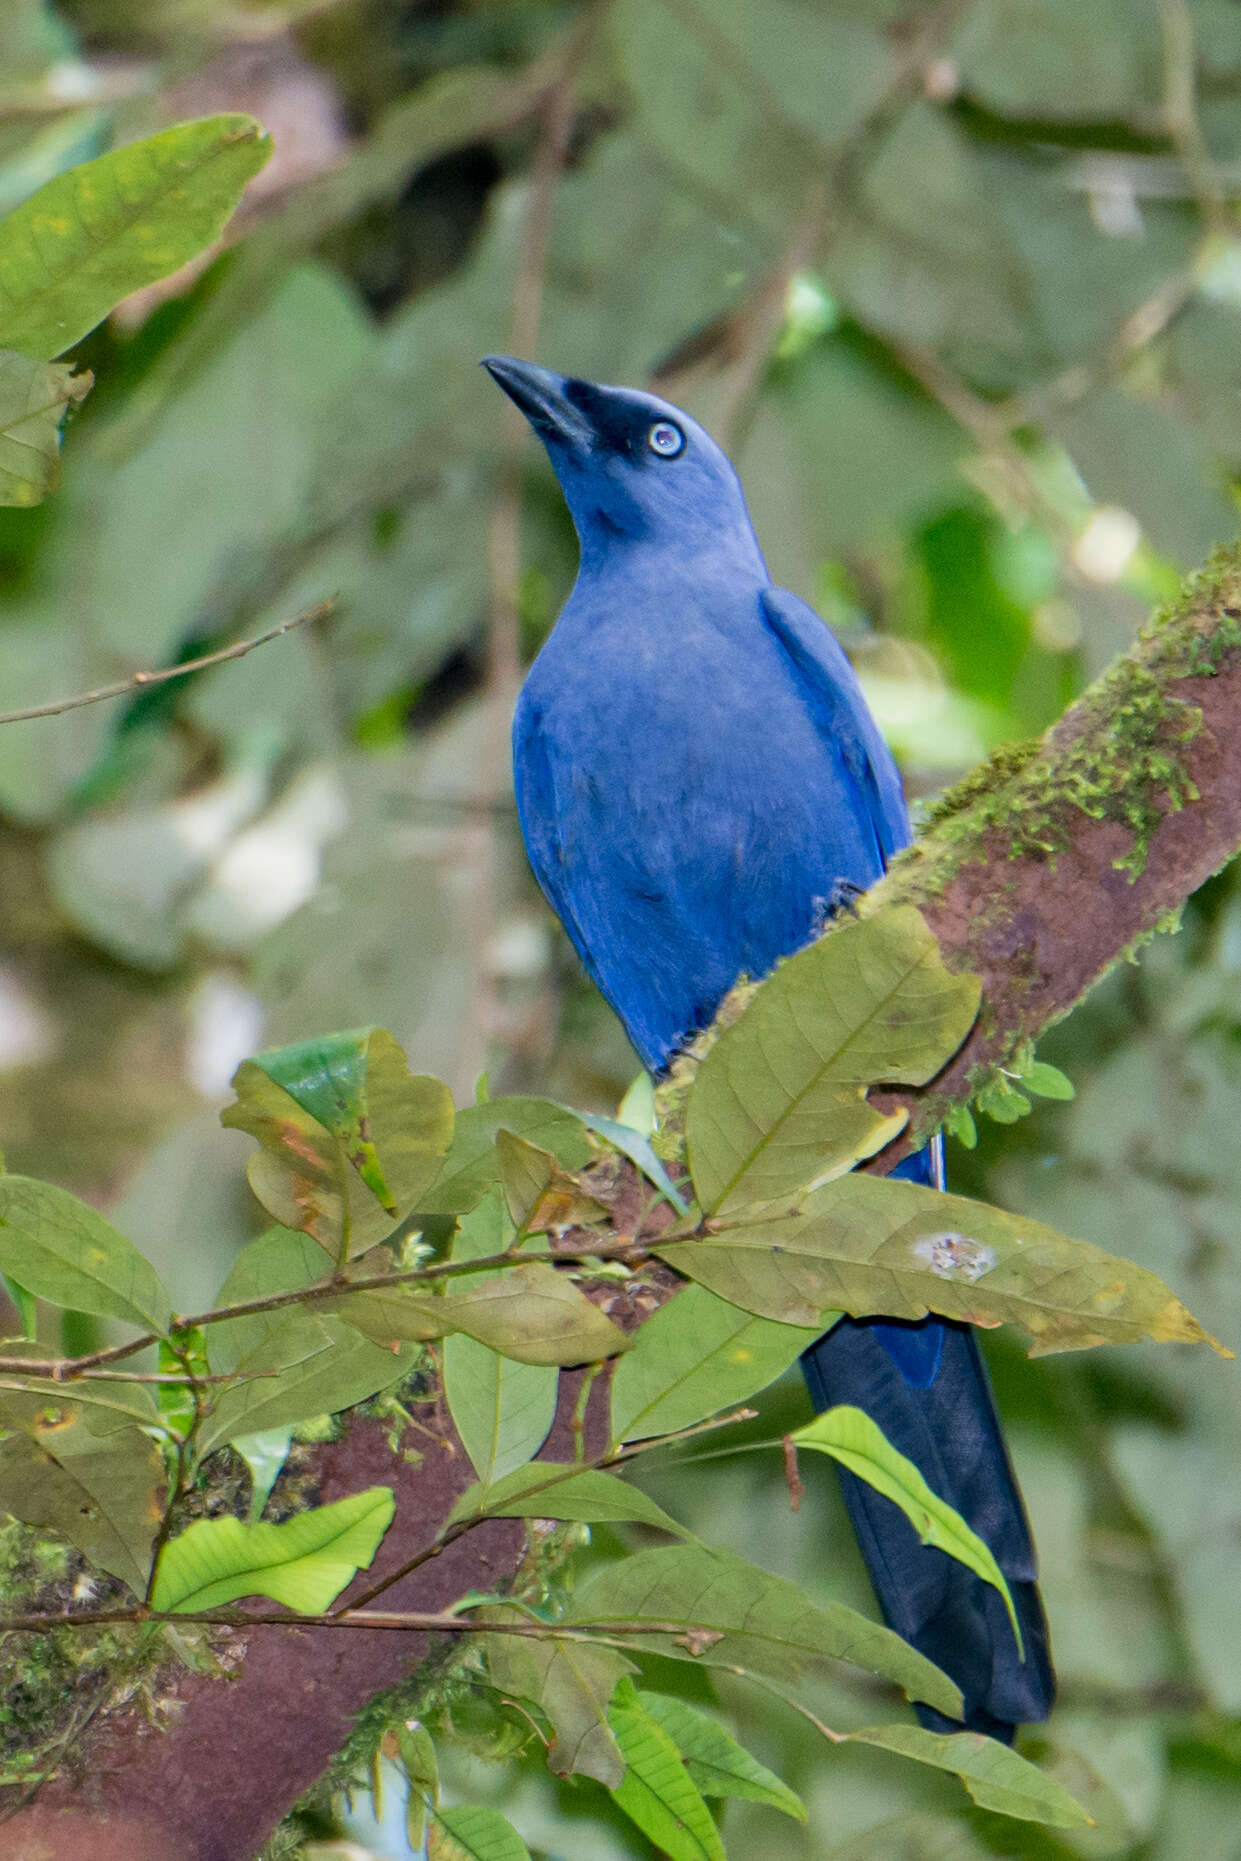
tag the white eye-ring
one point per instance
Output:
(665, 439)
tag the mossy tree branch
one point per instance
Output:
(1043, 868)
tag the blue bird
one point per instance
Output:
(698, 777)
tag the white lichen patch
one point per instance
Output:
(953, 1255)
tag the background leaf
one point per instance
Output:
(61, 1250)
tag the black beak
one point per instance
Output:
(542, 396)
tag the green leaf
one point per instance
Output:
(960, 1124)
(264, 1453)
(539, 1193)
(501, 1409)
(103, 1495)
(640, 1152)
(350, 1137)
(714, 1759)
(1046, 1081)
(62, 1251)
(730, 1613)
(572, 1683)
(780, 1100)
(34, 397)
(657, 1791)
(97, 232)
(299, 1362)
(470, 1832)
(869, 1244)
(695, 1356)
(278, 1261)
(392, 1318)
(304, 1563)
(486, 1229)
(301, 1368)
(536, 1314)
(851, 1437)
(177, 1408)
(526, 1172)
(999, 1099)
(995, 1777)
(592, 1497)
(472, 1166)
(105, 1407)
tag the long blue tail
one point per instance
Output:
(926, 1386)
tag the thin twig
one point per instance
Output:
(142, 681)
(504, 539)
(67, 1369)
(1180, 110)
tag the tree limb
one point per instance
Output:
(1045, 867)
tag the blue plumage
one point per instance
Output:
(698, 776)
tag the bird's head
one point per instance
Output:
(629, 464)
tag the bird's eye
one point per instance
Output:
(665, 439)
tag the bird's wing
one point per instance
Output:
(540, 816)
(834, 698)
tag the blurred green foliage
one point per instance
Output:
(960, 286)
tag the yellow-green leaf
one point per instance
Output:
(657, 1791)
(34, 397)
(996, 1777)
(851, 1437)
(780, 1101)
(870, 1245)
(304, 1563)
(97, 232)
